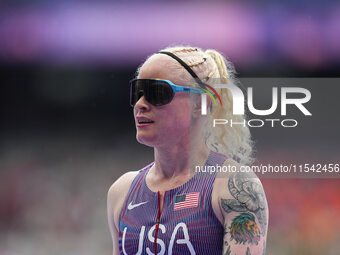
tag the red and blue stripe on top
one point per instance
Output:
(187, 223)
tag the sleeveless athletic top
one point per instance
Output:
(186, 225)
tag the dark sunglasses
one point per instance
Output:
(156, 92)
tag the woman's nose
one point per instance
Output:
(142, 104)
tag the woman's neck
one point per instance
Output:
(179, 159)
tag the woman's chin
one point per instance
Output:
(146, 140)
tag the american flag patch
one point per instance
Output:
(186, 201)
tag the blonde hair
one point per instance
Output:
(213, 68)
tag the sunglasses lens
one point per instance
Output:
(155, 92)
(136, 91)
(159, 93)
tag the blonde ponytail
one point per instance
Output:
(233, 141)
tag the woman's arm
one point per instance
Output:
(115, 200)
(110, 216)
(245, 211)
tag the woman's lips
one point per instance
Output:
(142, 121)
(143, 125)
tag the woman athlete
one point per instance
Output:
(174, 205)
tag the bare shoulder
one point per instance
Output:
(122, 184)
(241, 191)
(117, 193)
(238, 190)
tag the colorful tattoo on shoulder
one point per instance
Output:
(243, 229)
(248, 197)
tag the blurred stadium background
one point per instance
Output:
(67, 131)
